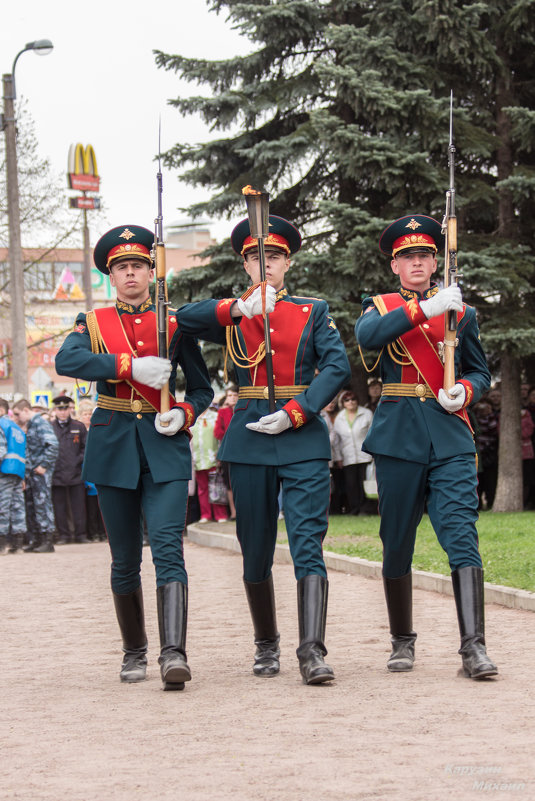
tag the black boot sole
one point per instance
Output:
(484, 674)
(266, 673)
(319, 679)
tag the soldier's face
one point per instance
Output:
(414, 269)
(277, 265)
(131, 279)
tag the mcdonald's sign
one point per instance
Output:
(82, 169)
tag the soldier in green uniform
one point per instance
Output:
(421, 438)
(139, 459)
(288, 450)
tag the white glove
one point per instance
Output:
(445, 300)
(175, 419)
(456, 402)
(253, 304)
(151, 370)
(272, 423)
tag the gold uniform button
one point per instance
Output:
(137, 320)
(172, 319)
(305, 308)
(140, 343)
(426, 325)
(139, 416)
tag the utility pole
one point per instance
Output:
(19, 353)
(88, 289)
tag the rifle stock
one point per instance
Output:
(163, 321)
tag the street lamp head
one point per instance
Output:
(42, 47)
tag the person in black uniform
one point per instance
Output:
(68, 489)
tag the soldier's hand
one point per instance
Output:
(175, 419)
(445, 300)
(40, 470)
(151, 370)
(271, 423)
(454, 399)
(251, 305)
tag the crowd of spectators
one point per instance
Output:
(43, 499)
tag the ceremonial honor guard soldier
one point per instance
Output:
(286, 449)
(138, 458)
(421, 438)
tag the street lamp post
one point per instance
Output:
(19, 354)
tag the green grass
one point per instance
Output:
(506, 543)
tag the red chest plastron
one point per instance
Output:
(287, 324)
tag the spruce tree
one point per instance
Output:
(341, 111)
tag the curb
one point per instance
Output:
(434, 582)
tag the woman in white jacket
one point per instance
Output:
(352, 425)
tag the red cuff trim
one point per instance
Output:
(222, 311)
(123, 366)
(189, 413)
(469, 392)
(414, 312)
(297, 415)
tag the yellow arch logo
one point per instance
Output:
(82, 168)
(82, 160)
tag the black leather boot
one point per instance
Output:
(172, 601)
(131, 619)
(468, 592)
(47, 544)
(261, 599)
(312, 592)
(398, 595)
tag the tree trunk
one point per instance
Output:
(509, 489)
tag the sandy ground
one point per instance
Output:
(70, 730)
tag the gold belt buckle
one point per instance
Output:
(419, 391)
(266, 393)
(136, 405)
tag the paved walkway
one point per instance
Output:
(70, 730)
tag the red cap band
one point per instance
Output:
(413, 241)
(134, 251)
(274, 240)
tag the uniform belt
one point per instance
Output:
(134, 405)
(408, 390)
(263, 392)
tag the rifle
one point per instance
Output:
(449, 228)
(258, 212)
(162, 301)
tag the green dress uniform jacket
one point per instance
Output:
(304, 338)
(407, 427)
(112, 456)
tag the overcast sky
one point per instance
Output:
(100, 86)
